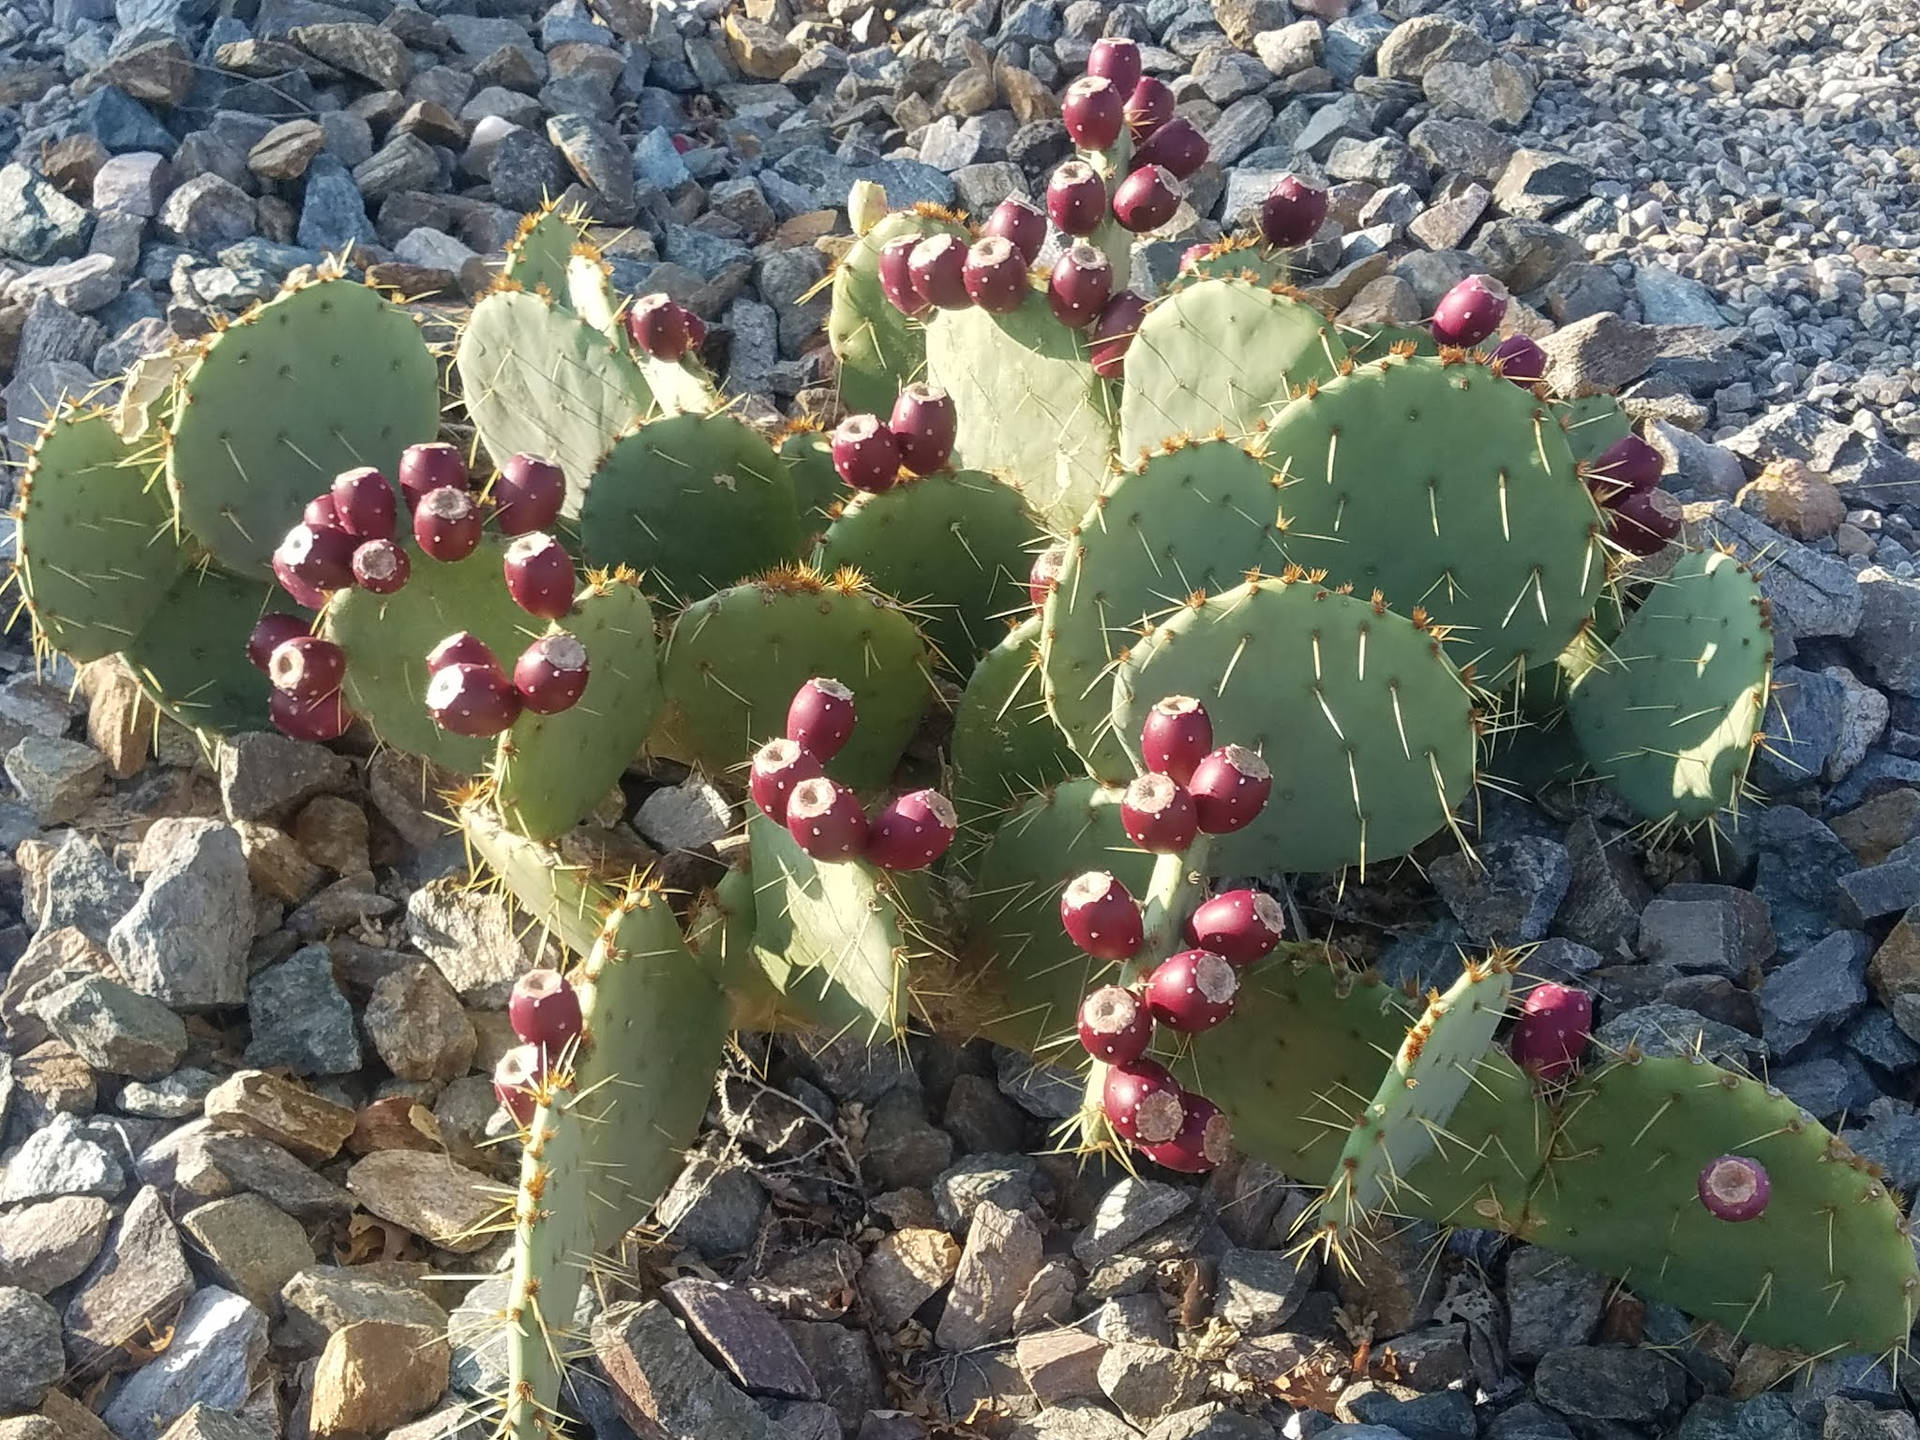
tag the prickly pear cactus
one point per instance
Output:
(880, 349)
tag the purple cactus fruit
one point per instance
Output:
(821, 716)
(425, 468)
(463, 647)
(1115, 1026)
(1204, 1140)
(320, 559)
(1116, 59)
(540, 575)
(1520, 359)
(1177, 145)
(551, 673)
(1101, 917)
(311, 596)
(1176, 736)
(363, 499)
(1241, 925)
(1638, 525)
(446, 524)
(514, 1080)
(1293, 212)
(778, 766)
(324, 717)
(1735, 1188)
(996, 275)
(321, 513)
(924, 424)
(825, 819)
(696, 331)
(1045, 574)
(307, 667)
(1193, 255)
(382, 567)
(896, 276)
(1158, 815)
(865, 454)
(1149, 107)
(1093, 111)
(1192, 991)
(270, 632)
(1076, 198)
(657, 324)
(528, 494)
(1470, 311)
(1552, 1031)
(912, 831)
(1142, 1102)
(466, 699)
(1629, 464)
(1080, 285)
(1021, 224)
(1113, 332)
(938, 265)
(1230, 786)
(544, 1010)
(1146, 199)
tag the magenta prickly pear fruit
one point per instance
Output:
(1146, 199)
(540, 576)
(528, 494)
(1176, 145)
(1629, 464)
(1158, 814)
(1149, 107)
(1193, 255)
(321, 513)
(1242, 925)
(1735, 1188)
(924, 423)
(270, 632)
(363, 499)
(1176, 736)
(821, 716)
(426, 468)
(1101, 917)
(1143, 1102)
(307, 667)
(1470, 311)
(311, 596)
(381, 566)
(324, 717)
(825, 819)
(446, 524)
(321, 559)
(1113, 332)
(1115, 1026)
(1551, 1034)
(1076, 198)
(1021, 224)
(938, 265)
(912, 831)
(865, 454)
(1293, 212)
(1230, 786)
(1192, 991)
(551, 673)
(1638, 525)
(514, 1079)
(467, 699)
(1204, 1140)
(1080, 285)
(657, 324)
(996, 274)
(462, 647)
(1045, 574)
(544, 1010)
(778, 766)
(1093, 111)
(896, 276)
(1118, 60)
(1520, 359)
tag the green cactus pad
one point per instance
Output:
(1247, 260)
(537, 256)
(719, 934)
(1031, 408)
(1367, 728)
(552, 769)
(678, 387)
(1592, 424)
(735, 659)
(1220, 356)
(1487, 1159)
(880, 350)
(817, 486)
(96, 540)
(588, 293)
(955, 548)
(567, 900)
(1005, 745)
(1671, 718)
(1373, 342)
(322, 379)
(192, 655)
(695, 501)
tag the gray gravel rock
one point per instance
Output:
(219, 1342)
(1814, 994)
(61, 1158)
(1125, 1213)
(45, 1245)
(31, 1362)
(58, 778)
(185, 940)
(132, 1288)
(115, 1029)
(1512, 895)
(1604, 1382)
(297, 1017)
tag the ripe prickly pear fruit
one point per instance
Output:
(324, 717)
(1638, 525)
(1080, 285)
(1176, 736)
(1076, 198)
(1143, 1102)
(1115, 1026)
(1230, 786)
(381, 567)
(1293, 212)
(311, 596)
(1146, 199)
(1021, 224)
(319, 559)
(778, 766)
(1101, 917)
(363, 500)
(1192, 991)
(1552, 1031)
(825, 819)
(821, 716)
(896, 276)
(1242, 925)
(270, 632)
(1148, 108)
(307, 667)
(924, 423)
(865, 454)
(657, 324)
(1158, 815)
(912, 831)
(551, 673)
(1113, 332)
(996, 275)
(938, 266)
(514, 1079)
(1204, 1140)
(1045, 574)
(321, 513)
(1470, 311)
(1520, 359)
(467, 699)
(540, 575)
(426, 468)
(1735, 1188)
(446, 524)
(528, 494)
(1630, 464)
(544, 1010)
(462, 647)
(1093, 112)
(1117, 60)
(1176, 145)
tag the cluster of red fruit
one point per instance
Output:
(544, 1010)
(664, 328)
(1623, 479)
(869, 453)
(790, 785)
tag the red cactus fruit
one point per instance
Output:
(1116, 59)
(551, 673)
(1230, 785)
(540, 575)
(865, 454)
(1520, 359)
(1470, 311)
(528, 494)
(363, 499)
(1176, 736)
(1045, 574)
(514, 1078)
(319, 559)
(924, 423)
(1242, 925)
(1629, 464)
(1093, 112)
(1115, 1026)
(544, 1010)
(1552, 1031)
(446, 524)
(381, 566)
(1101, 917)
(462, 647)
(657, 324)
(938, 265)
(821, 716)
(270, 632)
(1143, 1102)
(1293, 212)
(1146, 199)
(1735, 1188)
(1176, 145)
(825, 819)
(307, 667)
(1192, 991)
(696, 331)
(324, 717)
(1076, 198)
(912, 831)
(1205, 1138)
(467, 699)
(1021, 224)
(1080, 285)
(1637, 524)
(1149, 107)
(896, 278)
(1113, 332)
(321, 513)
(1158, 815)
(311, 596)
(778, 766)
(996, 274)
(426, 468)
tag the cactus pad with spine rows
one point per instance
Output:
(1005, 746)
(192, 653)
(1591, 424)
(538, 253)
(816, 484)
(566, 900)
(881, 351)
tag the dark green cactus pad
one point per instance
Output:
(96, 539)
(1670, 719)
(1241, 259)
(1367, 727)
(537, 256)
(1487, 1158)
(1592, 424)
(568, 901)
(695, 501)
(1374, 342)
(322, 379)
(880, 350)
(1005, 745)
(817, 486)
(192, 654)
(955, 548)
(734, 660)
(678, 387)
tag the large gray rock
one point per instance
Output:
(37, 222)
(1812, 594)
(1604, 1382)
(1550, 1300)
(263, 774)
(31, 1362)
(298, 1018)
(45, 1245)
(1125, 1213)
(132, 1289)
(185, 941)
(115, 1029)
(472, 936)
(218, 1344)
(662, 1384)
(63, 1157)
(58, 778)
(85, 889)
(1888, 638)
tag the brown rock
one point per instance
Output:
(394, 1122)
(361, 49)
(75, 1421)
(332, 831)
(51, 1079)
(71, 163)
(1061, 1365)
(53, 959)
(904, 1271)
(1793, 497)
(760, 50)
(663, 1385)
(1026, 94)
(433, 123)
(1002, 1256)
(285, 151)
(1894, 972)
(159, 72)
(281, 1111)
(120, 717)
(971, 92)
(375, 1375)
(417, 1025)
(44, 1246)
(436, 1199)
(736, 1328)
(275, 863)
(252, 1246)
(1876, 828)
(132, 1290)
